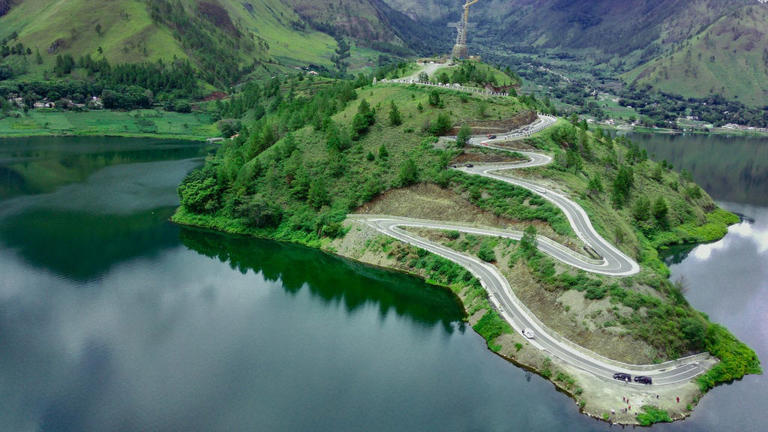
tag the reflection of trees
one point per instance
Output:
(332, 279)
(729, 168)
(83, 246)
(44, 170)
(676, 254)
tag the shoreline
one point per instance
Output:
(592, 404)
(183, 137)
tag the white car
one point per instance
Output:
(528, 333)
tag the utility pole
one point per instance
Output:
(460, 49)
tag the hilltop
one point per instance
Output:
(311, 152)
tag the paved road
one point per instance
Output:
(614, 263)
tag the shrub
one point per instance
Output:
(199, 192)
(395, 118)
(260, 213)
(463, 137)
(736, 358)
(491, 326)
(651, 415)
(441, 125)
(486, 253)
(434, 98)
(409, 173)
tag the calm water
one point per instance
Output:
(113, 319)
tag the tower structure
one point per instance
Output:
(460, 49)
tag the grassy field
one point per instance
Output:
(143, 123)
(729, 58)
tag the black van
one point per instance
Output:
(643, 380)
(622, 376)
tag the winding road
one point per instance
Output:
(613, 262)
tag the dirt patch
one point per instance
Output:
(218, 16)
(579, 320)
(429, 201)
(484, 127)
(479, 157)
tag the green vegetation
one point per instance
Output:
(702, 66)
(305, 143)
(311, 151)
(473, 73)
(651, 415)
(736, 359)
(144, 123)
(491, 326)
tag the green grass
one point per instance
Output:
(490, 327)
(138, 123)
(651, 415)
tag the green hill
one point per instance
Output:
(729, 58)
(224, 39)
(311, 151)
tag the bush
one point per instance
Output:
(199, 192)
(736, 358)
(441, 125)
(434, 98)
(409, 173)
(395, 118)
(463, 137)
(261, 213)
(651, 415)
(491, 326)
(486, 252)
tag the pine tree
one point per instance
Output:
(395, 119)
(462, 139)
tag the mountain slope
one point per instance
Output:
(625, 35)
(729, 58)
(225, 39)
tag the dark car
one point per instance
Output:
(622, 376)
(491, 136)
(469, 165)
(643, 380)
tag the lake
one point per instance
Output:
(111, 318)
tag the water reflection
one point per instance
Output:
(42, 164)
(332, 279)
(733, 169)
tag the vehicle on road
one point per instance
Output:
(469, 165)
(528, 333)
(491, 136)
(621, 376)
(643, 380)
